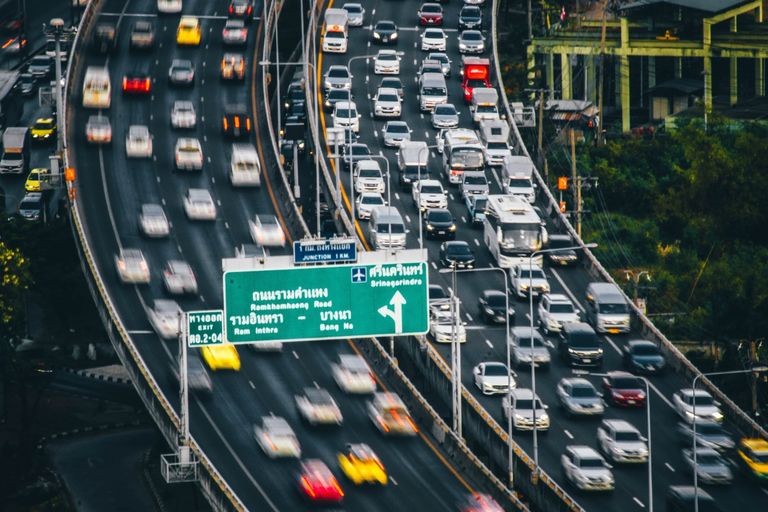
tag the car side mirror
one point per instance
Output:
(373, 230)
(546, 407)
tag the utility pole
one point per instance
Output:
(753, 362)
(601, 77)
(530, 22)
(541, 123)
(576, 182)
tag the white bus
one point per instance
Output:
(512, 230)
(462, 151)
(97, 90)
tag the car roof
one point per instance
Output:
(577, 382)
(689, 392)
(388, 90)
(558, 297)
(522, 393)
(620, 425)
(584, 451)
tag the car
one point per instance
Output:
(493, 307)
(711, 468)
(390, 415)
(44, 129)
(355, 14)
(433, 39)
(471, 42)
(353, 375)
(266, 231)
(198, 378)
(392, 82)
(562, 257)
(445, 62)
(181, 72)
(456, 253)
(395, 133)
(386, 62)
(578, 345)
(384, 32)
(643, 356)
(525, 279)
(366, 202)
(138, 142)
(142, 35)
(234, 33)
(476, 206)
(153, 222)
(188, 154)
(132, 266)
(165, 318)
(387, 103)
(430, 14)
(554, 310)
(26, 84)
(430, 66)
(578, 397)
(361, 465)
(586, 469)
(620, 441)
(438, 299)
(317, 483)
(683, 498)
(752, 456)
(444, 115)
(443, 327)
(40, 67)
(183, 114)
(337, 77)
(223, 356)
(474, 83)
(493, 378)
(470, 17)
(199, 205)
(709, 434)
(346, 115)
(473, 183)
(429, 194)
(169, 6)
(353, 153)
(623, 389)
(179, 278)
(332, 96)
(527, 413)
(295, 94)
(691, 405)
(232, 66)
(38, 179)
(368, 177)
(32, 207)
(439, 223)
(317, 407)
(98, 129)
(189, 31)
(527, 346)
(236, 123)
(242, 9)
(477, 502)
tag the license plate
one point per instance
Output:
(587, 361)
(441, 232)
(631, 402)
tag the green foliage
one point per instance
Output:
(15, 279)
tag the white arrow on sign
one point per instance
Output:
(397, 302)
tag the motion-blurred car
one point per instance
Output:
(223, 356)
(430, 14)
(232, 66)
(492, 306)
(32, 207)
(361, 465)
(470, 17)
(524, 279)
(137, 82)
(752, 456)
(181, 72)
(528, 346)
(556, 309)
(445, 115)
(317, 407)
(142, 35)
(562, 256)
(44, 129)
(623, 389)
(242, 9)
(433, 39)
(138, 142)
(266, 231)
(456, 253)
(199, 205)
(276, 437)
(395, 133)
(493, 378)
(234, 33)
(386, 62)
(132, 266)
(706, 408)
(384, 32)
(189, 31)
(98, 129)
(165, 318)
(353, 375)
(579, 397)
(443, 326)
(188, 154)
(643, 356)
(586, 469)
(183, 114)
(710, 466)
(26, 84)
(355, 14)
(622, 442)
(235, 123)
(40, 67)
(480, 503)
(37, 180)
(523, 407)
(153, 222)
(317, 484)
(709, 434)
(366, 202)
(169, 6)
(390, 415)
(179, 278)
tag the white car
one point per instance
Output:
(521, 406)
(366, 202)
(429, 194)
(579, 397)
(368, 177)
(395, 133)
(355, 14)
(524, 279)
(276, 437)
(556, 309)
(153, 221)
(98, 129)
(433, 39)
(234, 33)
(442, 326)
(199, 205)
(132, 266)
(345, 115)
(493, 378)
(183, 114)
(622, 442)
(386, 62)
(165, 317)
(179, 278)
(318, 407)
(138, 142)
(387, 103)
(266, 231)
(586, 469)
(169, 6)
(706, 406)
(353, 375)
(188, 153)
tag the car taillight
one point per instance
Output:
(231, 9)
(146, 85)
(226, 124)
(248, 125)
(237, 122)
(125, 83)
(307, 487)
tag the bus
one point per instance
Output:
(97, 90)
(462, 151)
(512, 230)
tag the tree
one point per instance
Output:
(15, 280)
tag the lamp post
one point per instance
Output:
(421, 214)
(756, 369)
(533, 365)
(335, 136)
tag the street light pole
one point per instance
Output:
(455, 357)
(421, 215)
(58, 26)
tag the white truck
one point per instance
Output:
(494, 134)
(484, 104)
(15, 150)
(517, 177)
(412, 162)
(336, 32)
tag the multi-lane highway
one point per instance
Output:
(111, 190)
(488, 343)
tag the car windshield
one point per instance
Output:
(385, 26)
(709, 459)
(559, 243)
(394, 229)
(709, 429)
(471, 36)
(583, 392)
(369, 173)
(496, 370)
(526, 404)
(518, 183)
(440, 216)
(429, 34)
(497, 300)
(525, 342)
(360, 150)
(371, 200)
(433, 91)
(627, 436)
(480, 204)
(584, 340)
(389, 97)
(338, 94)
(536, 273)
(338, 73)
(486, 109)
(615, 308)
(561, 308)
(702, 400)
(470, 12)
(394, 83)
(591, 463)
(475, 180)
(397, 128)
(645, 350)
(335, 35)
(353, 9)
(626, 383)
(431, 189)
(431, 9)
(346, 112)
(445, 110)
(497, 145)
(475, 82)
(387, 56)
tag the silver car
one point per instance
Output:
(523, 407)
(183, 114)
(471, 41)
(579, 397)
(337, 77)
(153, 221)
(165, 318)
(445, 62)
(620, 441)
(366, 202)
(355, 14)
(179, 278)
(709, 434)
(520, 346)
(555, 310)
(445, 116)
(710, 466)
(586, 469)
(395, 133)
(132, 266)
(706, 408)
(199, 205)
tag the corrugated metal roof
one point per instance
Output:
(710, 6)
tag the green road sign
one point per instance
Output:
(204, 327)
(326, 302)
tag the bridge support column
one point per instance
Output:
(759, 77)
(565, 74)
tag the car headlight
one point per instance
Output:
(718, 416)
(393, 36)
(429, 227)
(376, 35)
(544, 417)
(519, 417)
(327, 84)
(524, 287)
(462, 46)
(452, 228)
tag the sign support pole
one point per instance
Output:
(455, 359)
(184, 454)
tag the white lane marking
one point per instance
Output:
(463, 219)
(407, 219)
(213, 180)
(226, 224)
(202, 119)
(764, 490)
(397, 196)
(638, 502)
(611, 343)
(250, 383)
(162, 200)
(477, 243)
(469, 317)
(205, 138)
(426, 133)
(179, 248)
(295, 354)
(394, 482)
(414, 62)
(669, 467)
(376, 134)
(567, 290)
(433, 265)
(570, 436)
(373, 11)
(488, 342)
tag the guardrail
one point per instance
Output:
(598, 272)
(216, 491)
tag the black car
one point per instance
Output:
(392, 82)
(242, 9)
(579, 345)
(104, 37)
(681, 499)
(181, 72)
(470, 16)
(438, 299)
(439, 223)
(236, 123)
(643, 356)
(561, 258)
(40, 67)
(492, 305)
(385, 32)
(25, 85)
(294, 94)
(457, 254)
(353, 153)
(335, 95)
(32, 207)
(296, 112)
(142, 35)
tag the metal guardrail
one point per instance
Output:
(597, 271)
(215, 489)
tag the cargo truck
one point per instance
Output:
(15, 157)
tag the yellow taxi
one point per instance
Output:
(188, 33)
(221, 357)
(361, 465)
(44, 129)
(753, 456)
(36, 179)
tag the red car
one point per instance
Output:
(317, 483)
(431, 14)
(623, 389)
(137, 84)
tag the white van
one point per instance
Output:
(387, 229)
(432, 91)
(244, 167)
(517, 177)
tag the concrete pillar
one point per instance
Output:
(678, 67)
(759, 77)
(565, 76)
(551, 75)
(590, 78)
(651, 72)
(734, 62)
(707, 47)
(625, 107)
